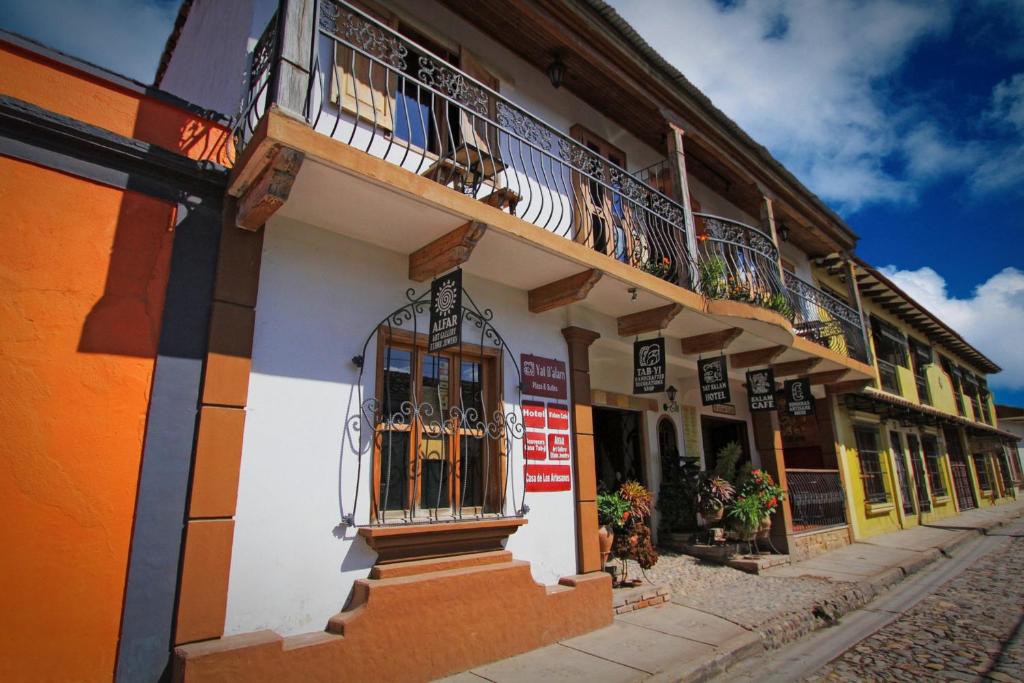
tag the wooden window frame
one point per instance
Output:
(871, 468)
(492, 486)
(933, 466)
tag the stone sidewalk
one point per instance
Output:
(680, 642)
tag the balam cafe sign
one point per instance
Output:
(649, 366)
(445, 311)
(713, 374)
(761, 389)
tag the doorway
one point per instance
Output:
(718, 432)
(618, 448)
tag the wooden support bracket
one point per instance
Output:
(712, 341)
(748, 359)
(563, 292)
(446, 252)
(268, 193)
(795, 367)
(651, 320)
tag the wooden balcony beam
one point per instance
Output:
(748, 359)
(828, 377)
(268, 193)
(446, 252)
(563, 292)
(712, 341)
(795, 367)
(651, 320)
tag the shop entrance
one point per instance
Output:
(718, 432)
(618, 448)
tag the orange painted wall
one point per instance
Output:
(83, 271)
(65, 90)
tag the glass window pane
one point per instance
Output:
(472, 386)
(394, 462)
(397, 384)
(471, 463)
(434, 484)
(436, 382)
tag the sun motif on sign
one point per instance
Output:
(444, 302)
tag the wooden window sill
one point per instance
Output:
(879, 508)
(398, 543)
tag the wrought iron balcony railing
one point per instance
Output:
(739, 262)
(381, 92)
(825, 319)
(816, 498)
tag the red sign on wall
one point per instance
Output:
(558, 416)
(558, 446)
(544, 377)
(536, 447)
(548, 478)
(533, 414)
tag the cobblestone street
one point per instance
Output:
(968, 630)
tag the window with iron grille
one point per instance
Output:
(983, 396)
(890, 351)
(981, 467)
(932, 465)
(920, 356)
(871, 473)
(1004, 470)
(956, 381)
(901, 472)
(971, 391)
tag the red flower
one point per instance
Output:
(773, 502)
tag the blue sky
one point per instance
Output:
(906, 117)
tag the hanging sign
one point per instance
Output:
(799, 401)
(445, 311)
(541, 478)
(649, 366)
(536, 446)
(544, 377)
(558, 416)
(533, 414)
(558, 445)
(714, 381)
(761, 389)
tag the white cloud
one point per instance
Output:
(815, 92)
(992, 319)
(125, 36)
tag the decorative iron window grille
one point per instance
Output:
(872, 475)
(933, 466)
(924, 500)
(816, 498)
(899, 458)
(981, 469)
(442, 436)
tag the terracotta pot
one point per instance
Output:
(605, 540)
(714, 517)
(765, 529)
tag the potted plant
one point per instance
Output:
(712, 277)
(746, 513)
(612, 510)
(636, 541)
(761, 486)
(713, 494)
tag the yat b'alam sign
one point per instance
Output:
(713, 374)
(445, 311)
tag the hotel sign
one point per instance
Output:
(761, 389)
(649, 366)
(799, 401)
(713, 374)
(445, 311)
(544, 377)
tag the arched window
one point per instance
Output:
(668, 447)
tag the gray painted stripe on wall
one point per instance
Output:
(147, 626)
